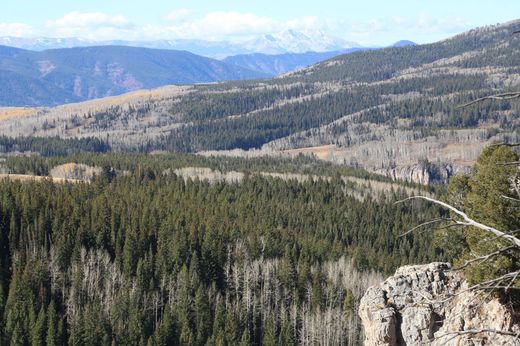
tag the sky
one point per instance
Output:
(367, 22)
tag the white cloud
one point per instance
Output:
(214, 25)
(16, 29)
(221, 24)
(90, 25)
(232, 25)
(88, 19)
(178, 15)
(305, 23)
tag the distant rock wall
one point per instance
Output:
(428, 305)
(424, 174)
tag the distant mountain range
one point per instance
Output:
(393, 111)
(278, 64)
(59, 76)
(288, 41)
(64, 75)
(404, 43)
(292, 41)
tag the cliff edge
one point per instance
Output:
(430, 305)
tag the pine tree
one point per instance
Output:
(183, 307)
(52, 326)
(39, 328)
(349, 303)
(61, 333)
(165, 333)
(483, 200)
(135, 328)
(202, 316)
(287, 334)
(19, 312)
(186, 336)
(129, 253)
(317, 291)
(18, 335)
(245, 340)
(269, 337)
(219, 321)
(230, 328)
(76, 334)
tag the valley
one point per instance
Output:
(403, 115)
(245, 174)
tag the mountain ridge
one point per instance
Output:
(82, 73)
(277, 64)
(288, 41)
(392, 111)
(403, 43)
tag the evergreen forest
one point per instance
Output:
(140, 255)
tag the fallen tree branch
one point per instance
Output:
(510, 163)
(510, 198)
(512, 281)
(425, 224)
(484, 258)
(467, 220)
(498, 237)
(512, 145)
(495, 283)
(476, 331)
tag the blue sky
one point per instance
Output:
(369, 22)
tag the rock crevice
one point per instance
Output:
(429, 305)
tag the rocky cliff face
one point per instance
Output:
(424, 174)
(430, 305)
(416, 174)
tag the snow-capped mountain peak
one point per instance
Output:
(287, 41)
(293, 41)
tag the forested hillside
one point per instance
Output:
(142, 256)
(59, 76)
(393, 111)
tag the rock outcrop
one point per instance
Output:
(430, 305)
(424, 173)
